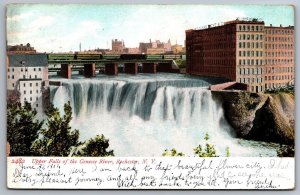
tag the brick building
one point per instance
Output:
(279, 56)
(237, 50)
(20, 49)
(156, 47)
(117, 46)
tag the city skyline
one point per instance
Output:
(61, 28)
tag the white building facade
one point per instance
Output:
(28, 74)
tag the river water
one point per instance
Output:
(145, 114)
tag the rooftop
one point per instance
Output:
(28, 60)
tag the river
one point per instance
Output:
(145, 114)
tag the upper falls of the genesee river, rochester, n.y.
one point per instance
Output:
(145, 114)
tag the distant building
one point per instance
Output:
(20, 49)
(117, 46)
(245, 51)
(155, 51)
(177, 49)
(155, 47)
(28, 74)
(131, 50)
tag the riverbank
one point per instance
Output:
(260, 117)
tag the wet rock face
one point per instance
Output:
(261, 117)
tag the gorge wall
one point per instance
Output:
(261, 117)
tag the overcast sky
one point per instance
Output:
(62, 27)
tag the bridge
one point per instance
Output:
(89, 67)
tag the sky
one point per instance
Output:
(62, 27)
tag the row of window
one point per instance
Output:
(216, 61)
(250, 53)
(251, 80)
(278, 61)
(250, 62)
(279, 69)
(250, 37)
(279, 31)
(30, 84)
(279, 54)
(251, 71)
(30, 92)
(250, 44)
(26, 69)
(35, 76)
(278, 77)
(279, 46)
(250, 28)
(280, 39)
(216, 54)
(24, 76)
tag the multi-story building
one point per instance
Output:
(234, 50)
(28, 74)
(155, 47)
(177, 49)
(117, 46)
(279, 56)
(20, 49)
(131, 50)
(155, 51)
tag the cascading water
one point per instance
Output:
(143, 115)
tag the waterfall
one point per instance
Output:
(143, 117)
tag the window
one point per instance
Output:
(8, 76)
(30, 84)
(24, 84)
(37, 98)
(33, 69)
(35, 76)
(23, 76)
(13, 69)
(13, 85)
(37, 91)
(24, 91)
(21, 69)
(30, 98)
(30, 91)
(8, 70)
(37, 105)
(36, 84)
(12, 76)
(40, 69)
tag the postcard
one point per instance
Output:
(150, 96)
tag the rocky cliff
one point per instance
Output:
(261, 117)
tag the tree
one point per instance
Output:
(58, 138)
(96, 147)
(22, 129)
(209, 151)
(172, 152)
